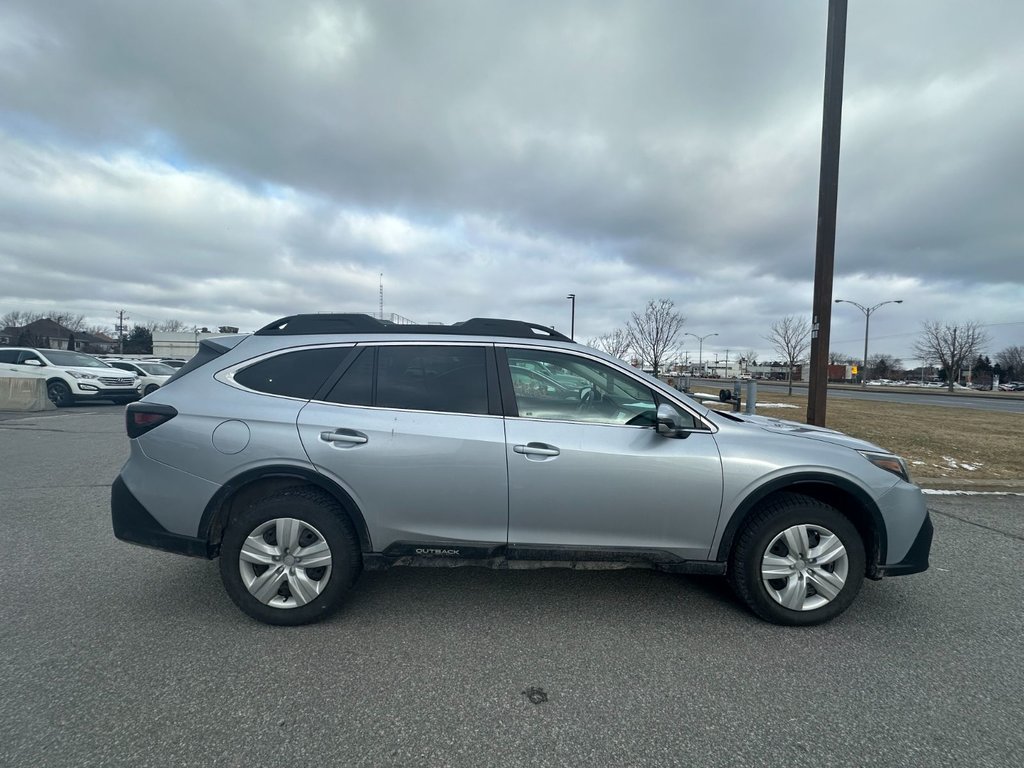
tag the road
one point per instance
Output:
(119, 656)
(1009, 404)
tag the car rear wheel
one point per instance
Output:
(290, 558)
(797, 561)
(59, 394)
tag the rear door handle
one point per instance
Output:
(536, 449)
(349, 436)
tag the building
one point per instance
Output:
(47, 334)
(183, 344)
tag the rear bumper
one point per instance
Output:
(133, 523)
(916, 559)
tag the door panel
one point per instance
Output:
(611, 486)
(587, 467)
(416, 476)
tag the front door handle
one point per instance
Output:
(349, 436)
(536, 449)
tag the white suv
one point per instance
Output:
(72, 376)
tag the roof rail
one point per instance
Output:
(301, 325)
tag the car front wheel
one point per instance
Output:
(59, 394)
(289, 558)
(797, 561)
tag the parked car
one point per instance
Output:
(323, 445)
(72, 376)
(173, 362)
(151, 375)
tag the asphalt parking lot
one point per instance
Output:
(117, 655)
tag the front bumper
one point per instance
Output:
(916, 559)
(85, 389)
(133, 523)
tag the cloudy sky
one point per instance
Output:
(226, 163)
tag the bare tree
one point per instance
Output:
(790, 337)
(953, 345)
(653, 332)
(615, 343)
(1011, 360)
(839, 358)
(171, 326)
(18, 318)
(68, 320)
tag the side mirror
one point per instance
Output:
(36, 363)
(670, 422)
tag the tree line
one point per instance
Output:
(651, 336)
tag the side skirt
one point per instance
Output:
(457, 555)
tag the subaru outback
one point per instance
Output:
(323, 445)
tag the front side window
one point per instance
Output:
(553, 385)
(294, 374)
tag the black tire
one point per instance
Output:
(59, 393)
(322, 516)
(151, 389)
(776, 515)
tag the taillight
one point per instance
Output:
(142, 417)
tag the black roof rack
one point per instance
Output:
(302, 325)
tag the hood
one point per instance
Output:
(104, 372)
(796, 429)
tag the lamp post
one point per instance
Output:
(867, 324)
(700, 348)
(572, 325)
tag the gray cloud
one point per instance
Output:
(226, 162)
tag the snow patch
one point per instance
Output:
(952, 463)
(938, 492)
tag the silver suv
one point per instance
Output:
(322, 445)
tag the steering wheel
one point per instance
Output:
(588, 396)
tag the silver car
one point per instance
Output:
(323, 445)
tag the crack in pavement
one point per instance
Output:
(1016, 536)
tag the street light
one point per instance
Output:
(700, 348)
(867, 323)
(572, 326)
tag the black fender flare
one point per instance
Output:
(215, 506)
(806, 482)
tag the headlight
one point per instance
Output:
(78, 375)
(888, 462)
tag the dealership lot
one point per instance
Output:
(116, 655)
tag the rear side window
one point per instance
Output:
(293, 374)
(8, 355)
(450, 379)
(427, 378)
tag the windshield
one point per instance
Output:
(73, 359)
(157, 369)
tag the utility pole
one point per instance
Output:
(572, 322)
(381, 316)
(120, 331)
(828, 195)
